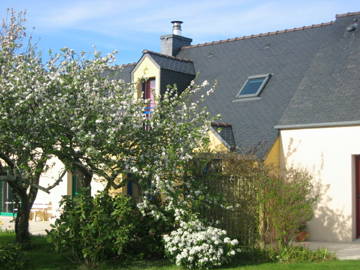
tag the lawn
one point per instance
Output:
(42, 257)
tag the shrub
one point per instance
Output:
(91, 230)
(268, 206)
(11, 257)
(286, 203)
(146, 241)
(236, 181)
(194, 245)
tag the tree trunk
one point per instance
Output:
(22, 222)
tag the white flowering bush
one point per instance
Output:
(196, 246)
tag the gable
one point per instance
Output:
(145, 69)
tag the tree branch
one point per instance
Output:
(56, 182)
(11, 178)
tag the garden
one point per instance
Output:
(112, 232)
(194, 209)
(41, 257)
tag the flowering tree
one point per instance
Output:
(100, 128)
(178, 131)
(69, 109)
(65, 108)
(25, 143)
(95, 121)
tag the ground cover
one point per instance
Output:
(42, 257)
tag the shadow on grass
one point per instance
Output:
(7, 237)
(40, 256)
(137, 265)
(249, 257)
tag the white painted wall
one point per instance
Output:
(64, 188)
(56, 193)
(328, 154)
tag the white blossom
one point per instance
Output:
(194, 245)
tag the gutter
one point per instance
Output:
(319, 125)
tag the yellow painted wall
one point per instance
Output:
(273, 157)
(146, 69)
(216, 145)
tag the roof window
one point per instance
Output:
(253, 86)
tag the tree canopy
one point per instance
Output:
(68, 108)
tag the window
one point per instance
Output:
(77, 181)
(129, 188)
(253, 86)
(148, 90)
(7, 199)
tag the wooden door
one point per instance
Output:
(357, 195)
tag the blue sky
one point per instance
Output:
(131, 26)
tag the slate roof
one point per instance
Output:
(315, 78)
(329, 93)
(172, 63)
(285, 55)
(122, 72)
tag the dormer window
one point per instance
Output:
(148, 91)
(253, 86)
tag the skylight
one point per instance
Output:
(253, 86)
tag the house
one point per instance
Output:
(290, 96)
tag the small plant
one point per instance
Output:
(92, 230)
(196, 246)
(293, 254)
(11, 257)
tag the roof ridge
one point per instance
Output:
(167, 56)
(260, 35)
(347, 14)
(126, 65)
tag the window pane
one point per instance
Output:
(252, 86)
(149, 94)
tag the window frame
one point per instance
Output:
(146, 86)
(258, 92)
(7, 199)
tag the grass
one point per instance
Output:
(42, 257)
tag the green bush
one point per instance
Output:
(11, 257)
(146, 241)
(286, 203)
(268, 207)
(92, 230)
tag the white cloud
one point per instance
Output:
(202, 18)
(81, 12)
(143, 21)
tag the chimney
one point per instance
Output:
(171, 44)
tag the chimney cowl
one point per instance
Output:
(176, 27)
